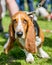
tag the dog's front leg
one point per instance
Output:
(8, 45)
(29, 57)
(42, 53)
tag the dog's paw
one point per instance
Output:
(5, 51)
(29, 58)
(43, 54)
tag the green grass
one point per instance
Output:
(17, 56)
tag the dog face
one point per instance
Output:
(22, 28)
(20, 25)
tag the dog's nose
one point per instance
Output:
(19, 34)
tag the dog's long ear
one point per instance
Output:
(11, 31)
(30, 38)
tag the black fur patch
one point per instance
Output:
(36, 26)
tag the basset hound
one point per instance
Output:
(23, 30)
(41, 11)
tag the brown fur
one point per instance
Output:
(30, 37)
(10, 46)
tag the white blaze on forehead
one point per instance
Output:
(19, 26)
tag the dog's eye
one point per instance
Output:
(25, 21)
(15, 21)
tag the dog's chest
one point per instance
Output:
(22, 42)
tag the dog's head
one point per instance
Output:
(22, 27)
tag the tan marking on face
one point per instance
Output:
(20, 24)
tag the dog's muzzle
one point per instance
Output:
(19, 34)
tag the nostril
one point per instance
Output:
(19, 34)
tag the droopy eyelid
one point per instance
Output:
(25, 21)
(14, 21)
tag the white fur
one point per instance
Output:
(42, 53)
(35, 18)
(38, 41)
(5, 46)
(29, 56)
(19, 27)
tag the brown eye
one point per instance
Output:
(15, 21)
(25, 21)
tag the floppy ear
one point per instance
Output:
(30, 38)
(11, 31)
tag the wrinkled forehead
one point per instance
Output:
(21, 15)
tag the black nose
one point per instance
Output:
(19, 34)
